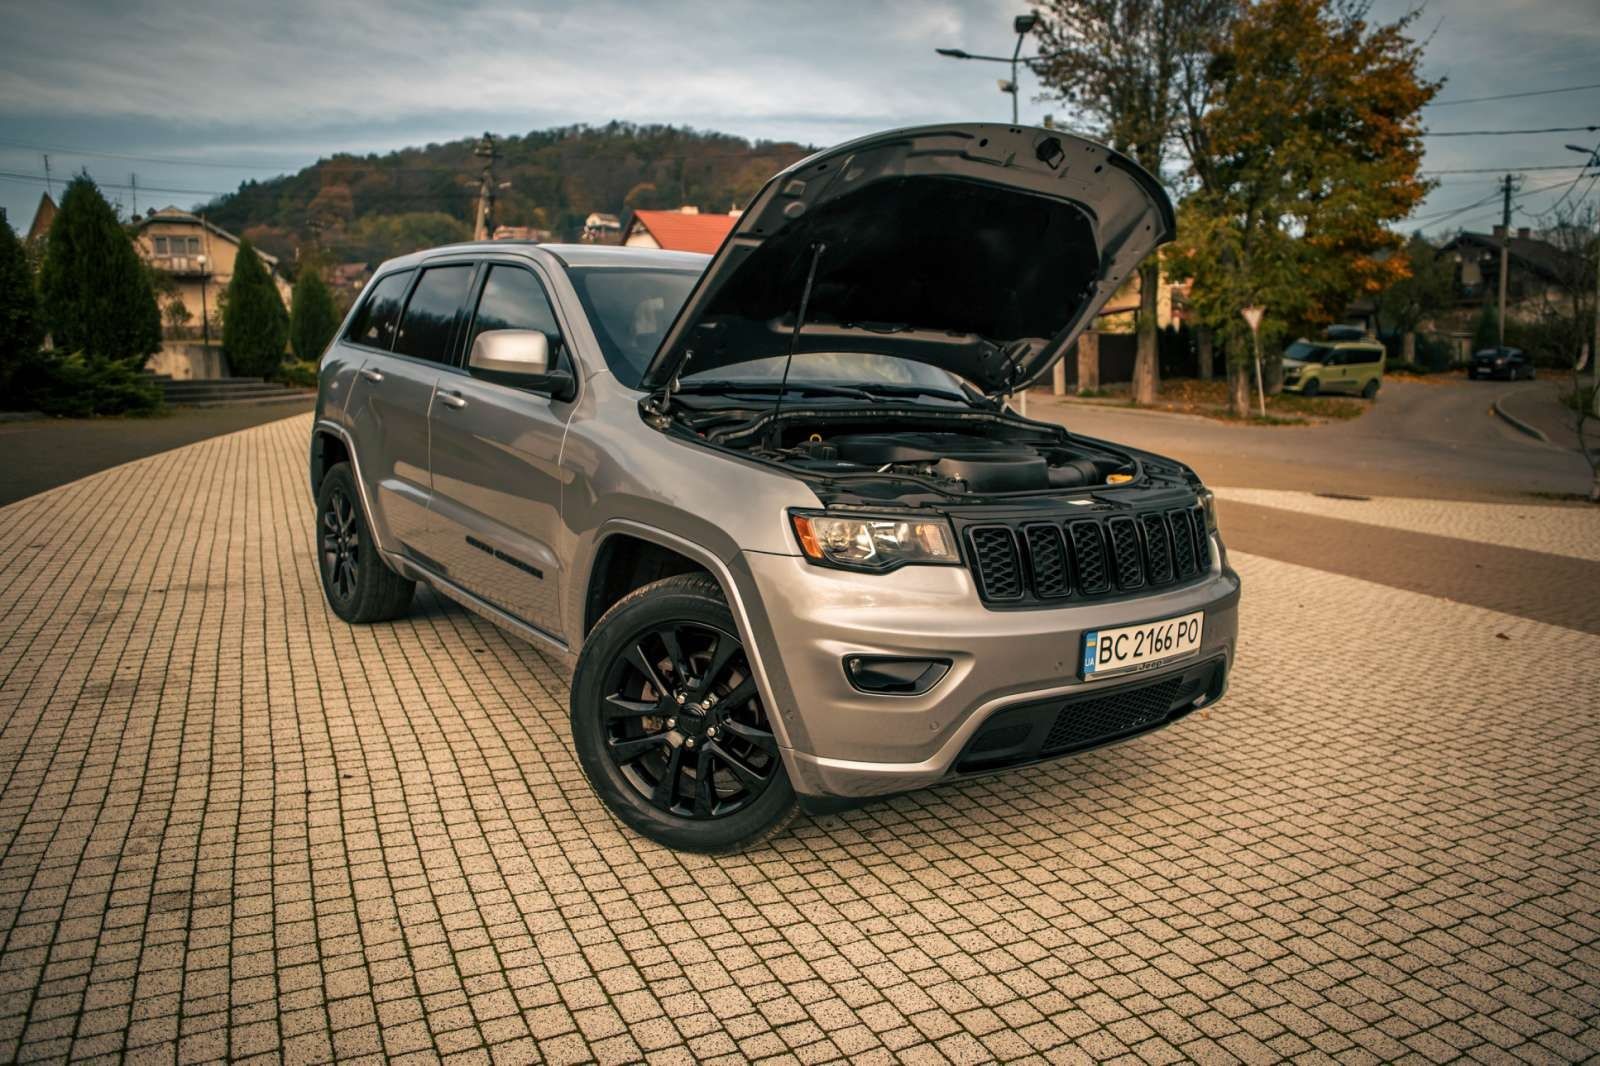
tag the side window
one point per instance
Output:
(375, 322)
(513, 299)
(429, 324)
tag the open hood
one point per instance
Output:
(979, 248)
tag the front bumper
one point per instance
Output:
(847, 743)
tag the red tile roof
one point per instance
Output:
(678, 232)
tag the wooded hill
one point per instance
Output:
(372, 207)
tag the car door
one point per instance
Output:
(496, 461)
(394, 392)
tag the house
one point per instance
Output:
(683, 230)
(1537, 271)
(601, 228)
(44, 216)
(197, 259)
(347, 280)
(520, 233)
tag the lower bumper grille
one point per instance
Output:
(1047, 728)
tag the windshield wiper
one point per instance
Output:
(891, 389)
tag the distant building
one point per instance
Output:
(347, 280)
(601, 228)
(198, 256)
(198, 259)
(683, 230)
(1535, 280)
(520, 233)
(44, 216)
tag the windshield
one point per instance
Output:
(630, 309)
(1307, 352)
(858, 369)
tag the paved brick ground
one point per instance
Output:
(232, 827)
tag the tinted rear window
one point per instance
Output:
(375, 322)
(430, 320)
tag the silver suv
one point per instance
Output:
(776, 498)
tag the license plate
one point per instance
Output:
(1131, 649)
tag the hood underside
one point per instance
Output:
(977, 248)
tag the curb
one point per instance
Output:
(1516, 423)
(1122, 409)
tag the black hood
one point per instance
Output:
(981, 249)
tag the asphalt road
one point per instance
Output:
(43, 453)
(1434, 439)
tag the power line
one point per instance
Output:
(1511, 96)
(10, 175)
(1512, 133)
(1498, 170)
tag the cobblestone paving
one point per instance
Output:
(1569, 531)
(232, 827)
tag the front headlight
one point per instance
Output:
(870, 542)
(1208, 504)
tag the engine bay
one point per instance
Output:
(887, 453)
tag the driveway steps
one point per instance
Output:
(226, 392)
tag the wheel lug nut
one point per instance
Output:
(672, 723)
(711, 732)
(680, 697)
(689, 743)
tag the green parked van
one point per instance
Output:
(1348, 366)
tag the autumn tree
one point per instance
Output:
(1313, 133)
(1427, 289)
(1136, 70)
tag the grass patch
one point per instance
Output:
(1210, 399)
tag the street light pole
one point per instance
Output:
(1252, 315)
(1594, 345)
(205, 316)
(1022, 25)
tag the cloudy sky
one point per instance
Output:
(194, 98)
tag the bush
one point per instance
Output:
(79, 385)
(255, 327)
(298, 374)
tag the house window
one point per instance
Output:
(194, 245)
(161, 246)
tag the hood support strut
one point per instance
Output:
(794, 339)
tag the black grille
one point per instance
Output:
(1202, 540)
(1158, 548)
(1048, 555)
(1182, 543)
(1089, 553)
(994, 550)
(1093, 721)
(1125, 553)
(1031, 563)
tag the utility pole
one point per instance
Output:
(486, 151)
(133, 184)
(1505, 255)
(49, 189)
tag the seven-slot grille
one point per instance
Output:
(1037, 562)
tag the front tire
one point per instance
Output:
(1371, 389)
(1311, 388)
(669, 726)
(358, 584)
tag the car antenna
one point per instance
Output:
(794, 337)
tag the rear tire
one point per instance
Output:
(358, 584)
(687, 771)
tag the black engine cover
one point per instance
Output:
(984, 465)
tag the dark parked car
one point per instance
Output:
(1508, 363)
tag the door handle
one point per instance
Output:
(371, 374)
(452, 399)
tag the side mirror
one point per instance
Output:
(519, 358)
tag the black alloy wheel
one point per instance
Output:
(683, 724)
(341, 545)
